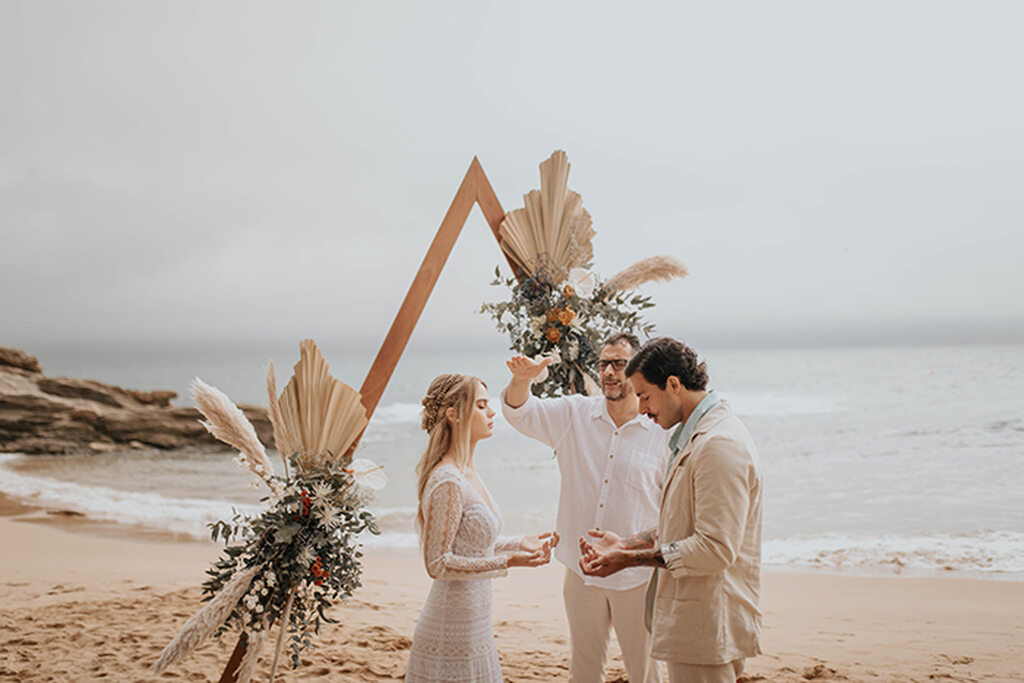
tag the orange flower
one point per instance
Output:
(566, 316)
(569, 291)
(553, 335)
(553, 314)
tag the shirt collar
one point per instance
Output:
(681, 436)
(601, 411)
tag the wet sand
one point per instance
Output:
(88, 601)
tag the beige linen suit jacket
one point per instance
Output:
(703, 606)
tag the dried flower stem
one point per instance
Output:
(280, 636)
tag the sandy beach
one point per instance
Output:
(86, 601)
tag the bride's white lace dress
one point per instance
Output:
(454, 639)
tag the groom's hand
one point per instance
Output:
(605, 555)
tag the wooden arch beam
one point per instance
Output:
(474, 189)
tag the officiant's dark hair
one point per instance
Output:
(620, 337)
(663, 357)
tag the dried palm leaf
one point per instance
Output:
(206, 621)
(591, 386)
(323, 415)
(663, 268)
(552, 233)
(228, 423)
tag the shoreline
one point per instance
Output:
(80, 522)
(107, 601)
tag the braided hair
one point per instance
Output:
(447, 433)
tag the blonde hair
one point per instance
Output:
(457, 392)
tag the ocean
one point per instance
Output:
(902, 460)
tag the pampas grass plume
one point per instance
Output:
(226, 422)
(283, 438)
(660, 267)
(206, 621)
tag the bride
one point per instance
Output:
(459, 523)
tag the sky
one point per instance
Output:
(199, 174)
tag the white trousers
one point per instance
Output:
(590, 612)
(694, 673)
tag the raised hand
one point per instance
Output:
(525, 369)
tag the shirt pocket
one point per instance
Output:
(642, 472)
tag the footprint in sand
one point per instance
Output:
(820, 672)
(381, 638)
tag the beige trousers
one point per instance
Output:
(694, 673)
(590, 612)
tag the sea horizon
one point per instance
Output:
(877, 460)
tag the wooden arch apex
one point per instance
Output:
(474, 189)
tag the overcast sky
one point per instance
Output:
(224, 172)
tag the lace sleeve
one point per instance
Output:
(507, 544)
(443, 515)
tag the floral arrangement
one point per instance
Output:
(565, 322)
(290, 563)
(558, 308)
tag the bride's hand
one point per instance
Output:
(523, 368)
(535, 559)
(535, 551)
(538, 541)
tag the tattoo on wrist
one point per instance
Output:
(650, 557)
(644, 539)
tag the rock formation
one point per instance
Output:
(40, 414)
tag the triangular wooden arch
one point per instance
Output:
(475, 189)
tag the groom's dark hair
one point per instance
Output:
(663, 357)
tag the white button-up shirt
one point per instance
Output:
(611, 476)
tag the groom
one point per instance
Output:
(702, 601)
(612, 464)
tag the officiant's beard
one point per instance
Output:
(616, 392)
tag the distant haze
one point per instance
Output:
(194, 173)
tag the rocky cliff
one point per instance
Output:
(40, 414)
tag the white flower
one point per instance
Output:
(574, 349)
(322, 492)
(329, 516)
(583, 282)
(368, 473)
(306, 556)
(537, 323)
(259, 608)
(555, 357)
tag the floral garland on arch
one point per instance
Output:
(566, 322)
(557, 307)
(291, 562)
